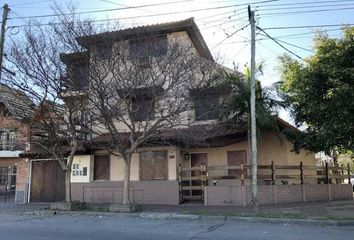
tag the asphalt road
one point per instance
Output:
(100, 228)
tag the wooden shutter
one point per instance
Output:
(146, 165)
(160, 163)
(153, 165)
(235, 158)
(101, 167)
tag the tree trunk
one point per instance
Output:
(68, 185)
(69, 164)
(126, 188)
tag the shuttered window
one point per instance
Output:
(101, 167)
(153, 165)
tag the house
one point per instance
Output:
(210, 162)
(15, 111)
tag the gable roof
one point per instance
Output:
(16, 102)
(187, 25)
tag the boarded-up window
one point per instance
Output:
(206, 107)
(235, 158)
(153, 165)
(101, 167)
(143, 107)
(142, 49)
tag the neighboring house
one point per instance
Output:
(15, 112)
(97, 176)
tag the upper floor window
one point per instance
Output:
(104, 51)
(206, 106)
(78, 78)
(143, 107)
(7, 139)
(142, 49)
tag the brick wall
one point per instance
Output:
(142, 192)
(272, 194)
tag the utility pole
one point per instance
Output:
(2, 36)
(253, 111)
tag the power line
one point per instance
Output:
(277, 42)
(307, 7)
(149, 5)
(308, 26)
(30, 3)
(307, 3)
(238, 30)
(304, 12)
(290, 44)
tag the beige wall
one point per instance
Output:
(83, 161)
(117, 164)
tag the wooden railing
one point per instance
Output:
(268, 173)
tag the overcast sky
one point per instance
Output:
(218, 21)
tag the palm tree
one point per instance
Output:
(236, 109)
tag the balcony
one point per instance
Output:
(10, 149)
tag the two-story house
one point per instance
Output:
(210, 162)
(15, 113)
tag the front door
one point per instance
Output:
(197, 159)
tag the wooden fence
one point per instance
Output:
(268, 173)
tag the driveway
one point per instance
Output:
(131, 227)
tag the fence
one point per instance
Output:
(192, 180)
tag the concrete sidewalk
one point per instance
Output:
(315, 210)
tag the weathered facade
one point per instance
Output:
(203, 161)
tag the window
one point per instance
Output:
(79, 79)
(104, 52)
(4, 175)
(143, 49)
(7, 139)
(235, 158)
(206, 107)
(101, 167)
(153, 165)
(143, 107)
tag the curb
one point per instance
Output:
(192, 217)
(49, 213)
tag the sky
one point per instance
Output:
(223, 24)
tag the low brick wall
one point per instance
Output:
(227, 195)
(142, 192)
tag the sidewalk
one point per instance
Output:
(316, 210)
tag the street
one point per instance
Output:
(127, 227)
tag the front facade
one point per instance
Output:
(14, 137)
(211, 166)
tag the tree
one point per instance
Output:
(60, 121)
(320, 92)
(137, 97)
(236, 110)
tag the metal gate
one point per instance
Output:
(7, 183)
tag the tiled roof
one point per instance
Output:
(197, 135)
(149, 30)
(18, 104)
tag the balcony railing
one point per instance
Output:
(9, 146)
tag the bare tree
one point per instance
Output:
(143, 91)
(60, 121)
